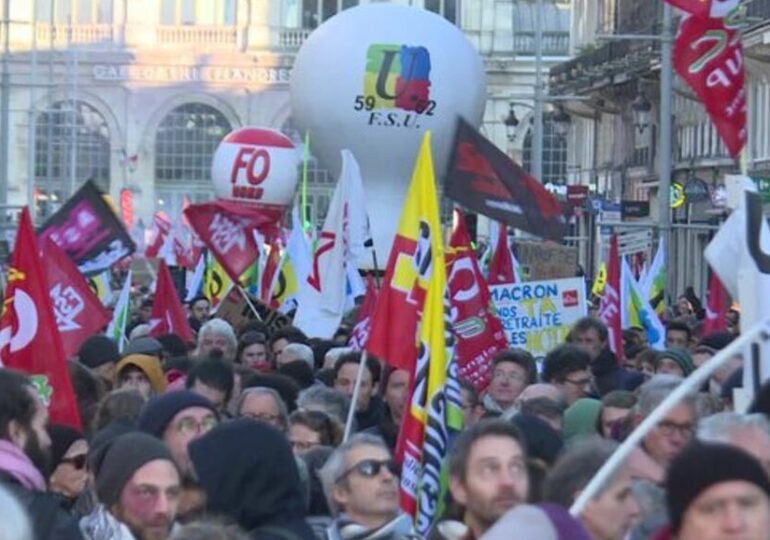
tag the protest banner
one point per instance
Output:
(537, 315)
(88, 231)
(236, 310)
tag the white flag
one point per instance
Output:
(117, 327)
(740, 255)
(195, 279)
(322, 296)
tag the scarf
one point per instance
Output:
(399, 527)
(101, 525)
(16, 463)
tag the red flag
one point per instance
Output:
(227, 228)
(168, 315)
(717, 306)
(79, 312)
(127, 208)
(609, 309)
(29, 338)
(359, 336)
(478, 331)
(501, 266)
(162, 227)
(708, 54)
(706, 8)
(270, 273)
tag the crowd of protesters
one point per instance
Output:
(240, 435)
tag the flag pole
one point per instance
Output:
(354, 398)
(376, 269)
(305, 161)
(248, 301)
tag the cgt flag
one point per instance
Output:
(227, 228)
(29, 338)
(483, 178)
(79, 312)
(168, 316)
(708, 54)
(479, 333)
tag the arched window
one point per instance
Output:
(184, 148)
(554, 153)
(72, 145)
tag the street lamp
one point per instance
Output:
(561, 122)
(641, 108)
(510, 123)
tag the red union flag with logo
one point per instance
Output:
(609, 309)
(227, 228)
(478, 331)
(29, 338)
(79, 312)
(708, 55)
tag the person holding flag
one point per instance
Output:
(412, 308)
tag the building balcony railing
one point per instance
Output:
(198, 34)
(63, 34)
(292, 38)
(554, 43)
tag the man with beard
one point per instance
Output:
(360, 480)
(487, 477)
(178, 418)
(25, 452)
(137, 485)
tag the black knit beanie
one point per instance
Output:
(118, 460)
(160, 410)
(97, 351)
(703, 465)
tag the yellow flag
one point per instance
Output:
(601, 280)
(217, 282)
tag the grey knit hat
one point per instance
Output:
(117, 461)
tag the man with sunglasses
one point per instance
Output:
(360, 480)
(178, 418)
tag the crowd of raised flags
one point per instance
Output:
(430, 314)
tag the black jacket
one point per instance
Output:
(45, 512)
(609, 375)
(249, 474)
(372, 415)
(385, 428)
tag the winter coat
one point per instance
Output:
(609, 375)
(248, 472)
(400, 527)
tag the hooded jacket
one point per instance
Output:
(249, 474)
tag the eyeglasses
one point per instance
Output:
(190, 426)
(580, 382)
(669, 428)
(262, 417)
(304, 446)
(78, 462)
(369, 468)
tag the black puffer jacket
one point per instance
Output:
(46, 515)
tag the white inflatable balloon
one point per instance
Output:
(255, 165)
(373, 79)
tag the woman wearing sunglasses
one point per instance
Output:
(68, 463)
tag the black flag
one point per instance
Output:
(483, 178)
